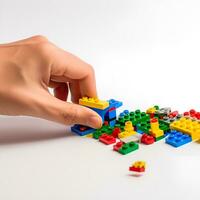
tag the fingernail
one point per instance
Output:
(94, 122)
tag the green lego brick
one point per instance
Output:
(128, 147)
(159, 138)
(104, 129)
(97, 134)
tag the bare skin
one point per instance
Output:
(28, 67)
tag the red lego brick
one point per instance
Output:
(117, 146)
(107, 139)
(147, 139)
(137, 169)
(173, 114)
(105, 123)
(115, 132)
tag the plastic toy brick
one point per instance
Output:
(126, 134)
(159, 138)
(93, 103)
(104, 129)
(155, 130)
(187, 126)
(107, 139)
(118, 146)
(110, 114)
(128, 147)
(116, 131)
(134, 138)
(147, 139)
(138, 166)
(177, 139)
(115, 103)
(192, 114)
(82, 130)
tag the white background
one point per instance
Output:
(144, 53)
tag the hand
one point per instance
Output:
(28, 67)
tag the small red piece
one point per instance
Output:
(154, 120)
(137, 169)
(186, 113)
(116, 131)
(117, 146)
(151, 115)
(192, 112)
(147, 139)
(107, 139)
(105, 123)
(82, 128)
(111, 109)
(173, 114)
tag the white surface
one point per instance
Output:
(144, 53)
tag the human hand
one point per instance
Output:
(28, 67)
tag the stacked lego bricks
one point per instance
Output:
(130, 129)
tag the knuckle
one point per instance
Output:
(70, 117)
(39, 38)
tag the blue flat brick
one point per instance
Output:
(177, 139)
(76, 129)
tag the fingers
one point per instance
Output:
(67, 113)
(74, 69)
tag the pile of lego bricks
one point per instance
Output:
(132, 128)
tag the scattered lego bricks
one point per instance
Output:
(130, 128)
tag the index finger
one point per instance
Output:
(67, 67)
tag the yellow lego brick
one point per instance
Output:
(125, 134)
(186, 126)
(89, 135)
(93, 103)
(151, 110)
(157, 133)
(139, 164)
(128, 126)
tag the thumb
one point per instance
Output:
(68, 113)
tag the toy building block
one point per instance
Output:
(163, 112)
(187, 126)
(93, 103)
(134, 138)
(82, 130)
(116, 132)
(138, 166)
(128, 130)
(177, 139)
(114, 103)
(107, 139)
(147, 139)
(192, 114)
(117, 146)
(111, 114)
(104, 129)
(128, 147)
(155, 130)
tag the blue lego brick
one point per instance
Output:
(112, 123)
(101, 112)
(76, 129)
(111, 114)
(177, 139)
(114, 103)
